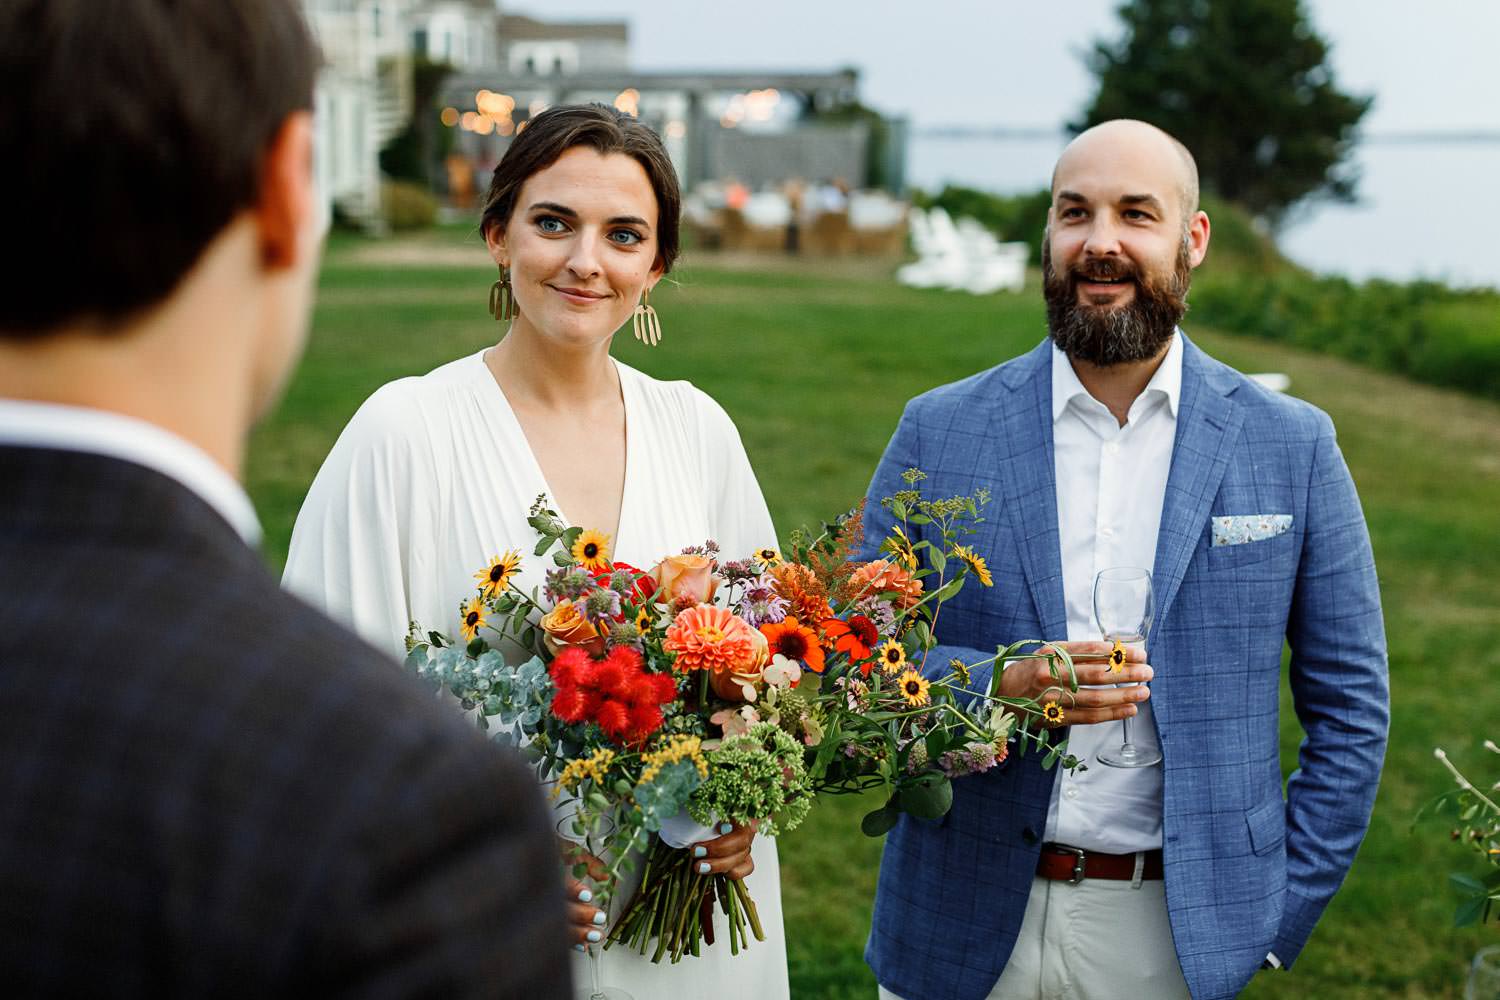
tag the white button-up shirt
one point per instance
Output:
(1111, 481)
(99, 432)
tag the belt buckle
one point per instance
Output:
(1078, 860)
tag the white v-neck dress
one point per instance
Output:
(434, 475)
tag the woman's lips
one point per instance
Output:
(578, 296)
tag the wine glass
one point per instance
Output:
(1484, 975)
(1123, 607)
(591, 836)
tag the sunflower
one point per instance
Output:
(1052, 712)
(892, 657)
(473, 617)
(643, 620)
(493, 579)
(976, 564)
(913, 687)
(795, 641)
(591, 549)
(768, 557)
(1117, 658)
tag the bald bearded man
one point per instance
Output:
(1117, 442)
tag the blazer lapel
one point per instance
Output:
(1024, 417)
(1208, 423)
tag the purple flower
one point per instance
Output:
(568, 583)
(974, 758)
(762, 605)
(739, 571)
(601, 605)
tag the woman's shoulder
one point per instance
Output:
(678, 400)
(408, 414)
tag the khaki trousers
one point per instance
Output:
(1097, 940)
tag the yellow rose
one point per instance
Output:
(565, 625)
(685, 578)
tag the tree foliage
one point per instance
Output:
(1246, 85)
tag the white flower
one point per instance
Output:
(781, 672)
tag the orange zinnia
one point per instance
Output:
(708, 638)
(795, 641)
(886, 577)
(854, 637)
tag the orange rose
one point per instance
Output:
(744, 685)
(565, 625)
(685, 578)
(882, 576)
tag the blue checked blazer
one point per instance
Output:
(207, 789)
(1248, 869)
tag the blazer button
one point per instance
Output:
(1028, 835)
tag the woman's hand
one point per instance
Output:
(727, 854)
(585, 920)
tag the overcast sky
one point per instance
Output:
(1016, 62)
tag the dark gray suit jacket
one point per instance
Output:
(209, 789)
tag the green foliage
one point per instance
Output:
(414, 153)
(407, 206)
(1246, 85)
(842, 352)
(1422, 329)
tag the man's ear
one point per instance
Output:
(1197, 233)
(287, 210)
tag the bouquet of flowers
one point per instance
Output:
(1475, 826)
(708, 690)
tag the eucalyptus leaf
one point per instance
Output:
(544, 544)
(879, 822)
(928, 798)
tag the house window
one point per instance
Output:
(419, 42)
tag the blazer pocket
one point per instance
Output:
(1246, 553)
(1267, 823)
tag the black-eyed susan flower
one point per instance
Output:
(472, 617)
(643, 620)
(913, 687)
(768, 557)
(960, 671)
(494, 578)
(591, 550)
(900, 548)
(1053, 713)
(1117, 658)
(892, 657)
(975, 562)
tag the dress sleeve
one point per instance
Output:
(741, 521)
(348, 554)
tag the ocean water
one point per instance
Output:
(1426, 208)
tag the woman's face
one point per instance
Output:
(581, 246)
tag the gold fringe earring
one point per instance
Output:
(647, 324)
(502, 299)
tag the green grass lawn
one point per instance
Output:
(815, 363)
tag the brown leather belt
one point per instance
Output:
(1073, 864)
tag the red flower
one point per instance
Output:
(642, 585)
(615, 693)
(854, 637)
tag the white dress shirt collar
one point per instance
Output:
(98, 432)
(1166, 381)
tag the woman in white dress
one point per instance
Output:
(435, 474)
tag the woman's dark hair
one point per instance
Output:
(133, 132)
(555, 131)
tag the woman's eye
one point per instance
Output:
(550, 224)
(625, 237)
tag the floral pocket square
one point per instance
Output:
(1237, 529)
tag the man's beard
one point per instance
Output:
(1112, 335)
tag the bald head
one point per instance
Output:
(1138, 150)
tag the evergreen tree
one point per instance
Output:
(1246, 85)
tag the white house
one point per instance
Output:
(363, 95)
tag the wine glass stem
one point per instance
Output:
(598, 994)
(1125, 727)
